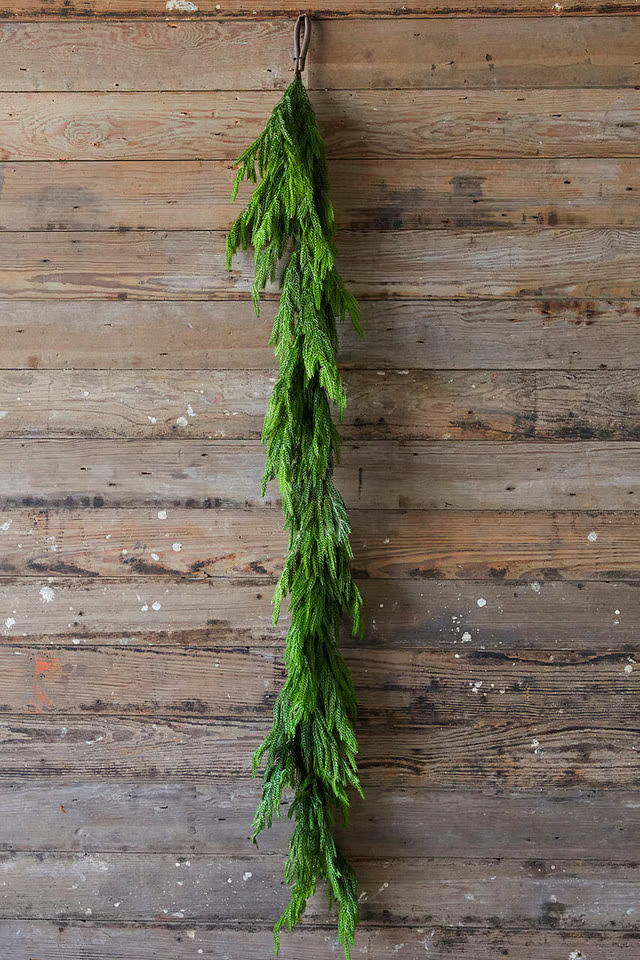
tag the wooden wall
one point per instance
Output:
(485, 175)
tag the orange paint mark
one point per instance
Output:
(43, 668)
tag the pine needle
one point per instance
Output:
(311, 747)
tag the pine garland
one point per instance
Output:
(311, 746)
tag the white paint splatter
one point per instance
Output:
(466, 637)
(176, 547)
(535, 587)
(5, 526)
(162, 514)
(9, 622)
(181, 6)
(247, 875)
(156, 605)
(152, 419)
(481, 602)
(47, 594)
(592, 537)
(190, 411)
(475, 686)
(145, 608)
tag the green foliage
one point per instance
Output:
(311, 746)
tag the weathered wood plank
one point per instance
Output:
(553, 752)
(396, 688)
(149, 265)
(423, 545)
(139, 9)
(463, 54)
(141, 941)
(204, 125)
(525, 894)
(372, 475)
(547, 615)
(75, 56)
(417, 194)
(382, 405)
(367, 194)
(214, 818)
(581, 52)
(486, 334)
(527, 263)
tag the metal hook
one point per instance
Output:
(301, 42)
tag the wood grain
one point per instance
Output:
(398, 891)
(158, 941)
(72, 56)
(422, 545)
(454, 334)
(379, 475)
(192, 751)
(462, 54)
(213, 818)
(148, 265)
(383, 124)
(344, 54)
(411, 613)
(414, 689)
(367, 194)
(382, 405)
(122, 9)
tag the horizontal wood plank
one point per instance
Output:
(214, 819)
(372, 475)
(72, 56)
(149, 265)
(197, 750)
(221, 612)
(461, 53)
(398, 688)
(384, 124)
(396, 892)
(140, 941)
(422, 545)
(142, 9)
(382, 405)
(367, 194)
(471, 334)
(369, 53)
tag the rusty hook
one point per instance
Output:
(301, 38)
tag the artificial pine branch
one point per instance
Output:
(311, 746)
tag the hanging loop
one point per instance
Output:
(301, 38)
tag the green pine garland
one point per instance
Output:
(311, 746)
